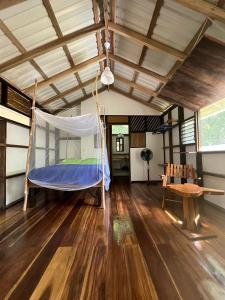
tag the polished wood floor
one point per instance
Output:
(65, 249)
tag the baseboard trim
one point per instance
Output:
(215, 206)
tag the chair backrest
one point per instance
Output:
(179, 171)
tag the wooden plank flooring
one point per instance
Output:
(66, 249)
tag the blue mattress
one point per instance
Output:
(69, 176)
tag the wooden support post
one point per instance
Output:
(26, 185)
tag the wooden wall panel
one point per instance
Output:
(137, 140)
(117, 119)
(201, 79)
(2, 162)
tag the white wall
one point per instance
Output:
(139, 167)
(116, 104)
(214, 163)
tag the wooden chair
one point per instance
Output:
(183, 172)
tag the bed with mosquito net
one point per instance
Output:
(66, 153)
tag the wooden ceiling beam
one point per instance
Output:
(205, 8)
(20, 47)
(78, 101)
(7, 3)
(137, 99)
(58, 31)
(67, 72)
(67, 92)
(158, 6)
(139, 87)
(98, 33)
(71, 37)
(137, 68)
(143, 40)
(182, 103)
(113, 36)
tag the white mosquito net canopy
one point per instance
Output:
(67, 153)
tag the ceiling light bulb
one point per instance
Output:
(107, 77)
(107, 45)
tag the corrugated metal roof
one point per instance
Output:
(123, 71)
(161, 103)
(23, 75)
(121, 86)
(45, 93)
(7, 49)
(89, 72)
(141, 95)
(83, 49)
(158, 62)
(90, 88)
(29, 22)
(53, 62)
(176, 25)
(128, 49)
(55, 105)
(73, 15)
(66, 83)
(135, 14)
(74, 96)
(148, 81)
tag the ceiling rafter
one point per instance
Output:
(67, 92)
(143, 40)
(67, 72)
(58, 31)
(60, 42)
(78, 101)
(221, 3)
(20, 47)
(181, 102)
(97, 20)
(137, 99)
(193, 43)
(7, 3)
(132, 84)
(205, 8)
(113, 36)
(137, 68)
(158, 6)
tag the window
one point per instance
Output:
(188, 132)
(212, 127)
(120, 144)
(120, 129)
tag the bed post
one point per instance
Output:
(26, 184)
(102, 144)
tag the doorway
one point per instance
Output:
(120, 150)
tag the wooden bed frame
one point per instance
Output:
(28, 184)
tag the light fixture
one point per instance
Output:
(107, 76)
